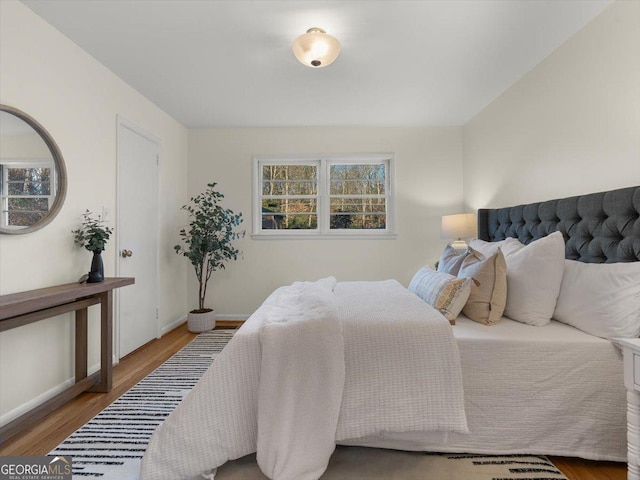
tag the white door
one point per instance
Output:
(137, 237)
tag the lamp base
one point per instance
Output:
(459, 245)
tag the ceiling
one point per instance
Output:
(403, 63)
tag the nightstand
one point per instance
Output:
(631, 348)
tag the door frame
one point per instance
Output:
(122, 122)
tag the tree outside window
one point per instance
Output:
(324, 196)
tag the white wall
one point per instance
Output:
(428, 172)
(24, 146)
(76, 99)
(576, 115)
(570, 126)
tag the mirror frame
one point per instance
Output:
(61, 190)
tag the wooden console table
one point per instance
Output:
(18, 309)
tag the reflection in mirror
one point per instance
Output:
(32, 173)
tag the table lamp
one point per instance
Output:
(459, 226)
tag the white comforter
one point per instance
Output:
(310, 368)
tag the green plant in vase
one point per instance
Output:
(93, 236)
(208, 243)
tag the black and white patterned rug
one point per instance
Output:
(360, 463)
(111, 445)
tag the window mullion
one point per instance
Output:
(323, 196)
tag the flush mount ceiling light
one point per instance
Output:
(316, 48)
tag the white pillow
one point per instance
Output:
(442, 291)
(488, 249)
(534, 276)
(451, 259)
(602, 299)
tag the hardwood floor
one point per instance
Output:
(578, 469)
(53, 429)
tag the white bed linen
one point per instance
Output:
(385, 328)
(302, 366)
(551, 390)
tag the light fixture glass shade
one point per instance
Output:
(316, 48)
(462, 225)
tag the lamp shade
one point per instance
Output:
(462, 225)
(316, 48)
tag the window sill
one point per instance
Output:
(319, 236)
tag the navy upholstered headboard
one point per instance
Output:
(598, 228)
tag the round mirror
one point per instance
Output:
(33, 179)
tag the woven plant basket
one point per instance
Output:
(201, 322)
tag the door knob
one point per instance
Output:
(126, 253)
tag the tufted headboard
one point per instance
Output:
(598, 228)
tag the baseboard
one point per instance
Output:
(43, 397)
(173, 325)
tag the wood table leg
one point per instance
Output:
(81, 344)
(106, 343)
(24, 308)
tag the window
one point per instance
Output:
(326, 196)
(25, 192)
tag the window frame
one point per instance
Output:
(323, 230)
(5, 197)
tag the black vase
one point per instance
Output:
(96, 275)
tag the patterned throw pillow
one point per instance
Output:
(444, 292)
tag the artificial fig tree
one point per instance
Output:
(208, 241)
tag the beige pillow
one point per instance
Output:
(488, 295)
(444, 292)
(451, 260)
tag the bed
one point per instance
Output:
(552, 389)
